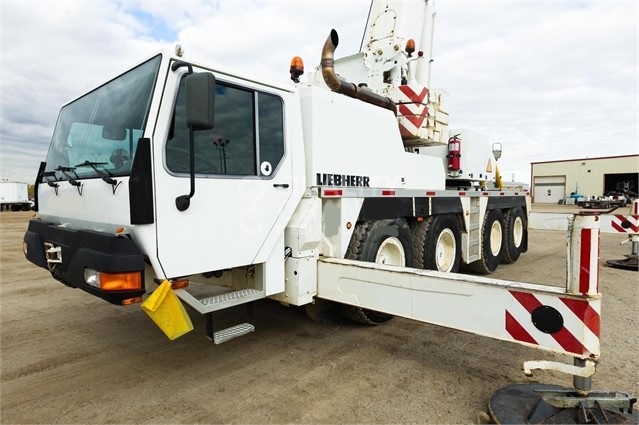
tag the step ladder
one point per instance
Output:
(474, 231)
(207, 299)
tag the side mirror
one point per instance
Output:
(200, 100)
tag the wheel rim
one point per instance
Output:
(391, 252)
(445, 251)
(518, 232)
(495, 238)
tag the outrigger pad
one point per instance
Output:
(630, 263)
(524, 404)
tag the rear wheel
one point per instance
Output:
(515, 230)
(385, 242)
(437, 243)
(492, 243)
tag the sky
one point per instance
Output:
(549, 79)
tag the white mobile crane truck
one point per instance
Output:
(349, 187)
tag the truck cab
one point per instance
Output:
(126, 159)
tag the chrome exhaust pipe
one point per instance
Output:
(335, 83)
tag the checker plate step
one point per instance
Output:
(233, 332)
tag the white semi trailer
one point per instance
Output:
(14, 196)
(349, 187)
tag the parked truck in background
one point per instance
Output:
(14, 196)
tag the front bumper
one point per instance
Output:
(76, 250)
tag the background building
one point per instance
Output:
(555, 180)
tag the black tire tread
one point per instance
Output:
(355, 250)
(481, 266)
(511, 254)
(419, 230)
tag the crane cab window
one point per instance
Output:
(247, 140)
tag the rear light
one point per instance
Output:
(128, 281)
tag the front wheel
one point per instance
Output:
(384, 242)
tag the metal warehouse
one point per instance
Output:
(553, 181)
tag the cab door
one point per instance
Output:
(243, 180)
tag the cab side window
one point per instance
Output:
(249, 130)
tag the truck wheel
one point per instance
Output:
(15, 208)
(386, 242)
(437, 243)
(515, 229)
(492, 236)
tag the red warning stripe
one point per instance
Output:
(584, 260)
(416, 120)
(568, 341)
(564, 338)
(517, 331)
(585, 313)
(414, 97)
(529, 301)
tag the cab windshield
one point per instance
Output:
(97, 134)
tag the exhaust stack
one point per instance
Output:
(337, 84)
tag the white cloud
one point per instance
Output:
(550, 80)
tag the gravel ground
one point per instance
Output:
(66, 357)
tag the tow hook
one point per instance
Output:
(53, 254)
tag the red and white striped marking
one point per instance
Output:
(625, 223)
(412, 109)
(581, 323)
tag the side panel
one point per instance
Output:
(353, 143)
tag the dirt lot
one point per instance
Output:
(67, 357)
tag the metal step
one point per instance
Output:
(474, 230)
(204, 302)
(233, 332)
(229, 296)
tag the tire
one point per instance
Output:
(385, 242)
(437, 243)
(492, 243)
(515, 234)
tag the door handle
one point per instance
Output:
(284, 185)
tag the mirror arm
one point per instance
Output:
(183, 202)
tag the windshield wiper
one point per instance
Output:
(50, 183)
(65, 171)
(105, 174)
